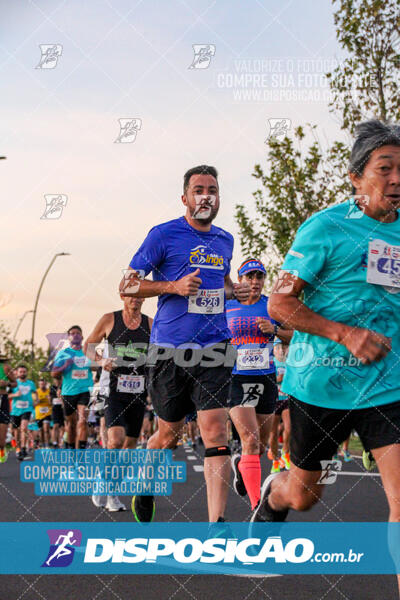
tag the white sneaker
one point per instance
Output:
(114, 504)
(99, 501)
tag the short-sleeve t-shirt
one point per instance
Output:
(23, 403)
(254, 347)
(77, 378)
(171, 251)
(334, 252)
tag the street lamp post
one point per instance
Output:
(20, 323)
(37, 299)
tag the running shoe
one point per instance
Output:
(238, 483)
(19, 454)
(263, 513)
(368, 460)
(27, 455)
(99, 501)
(143, 508)
(285, 458)
(114, 504)
(3, 455)
(270, 455)
(276, 466)
(346, 456)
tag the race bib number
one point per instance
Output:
(130, 384)
(43, 410)
(79, 374)
(22, 404)
(252, 358)
(80, 361)
(57, 401)
(383, 264)
(207, 302)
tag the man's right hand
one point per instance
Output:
(365, 344)
(188, 285)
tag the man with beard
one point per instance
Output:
(190, 261)
(77, 378)
(22, 406)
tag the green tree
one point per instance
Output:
(296, 182)
(20, 352)
(366, 84)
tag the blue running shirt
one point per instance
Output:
(77, 378)
(351, 264)
(171, 251)
(23, 403)
(255, 355)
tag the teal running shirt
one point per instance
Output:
(351, 264)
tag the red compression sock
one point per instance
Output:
(250, 469)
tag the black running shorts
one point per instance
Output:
(317, 432)
(16, 419)
(4, 409)
(58, 415)
(178, 391)
(258, 391)
(71, 402)
(126, 413)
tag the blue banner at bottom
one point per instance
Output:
(200, 548)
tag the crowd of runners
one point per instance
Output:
(285, 378)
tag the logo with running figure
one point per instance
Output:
(329, 471)
(203, 54)
(252, 393)
(50, 55)
(55, 204)
(128, 129)
(278, 128)
(200, 257)
(62, 547)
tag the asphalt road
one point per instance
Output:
(356, 496)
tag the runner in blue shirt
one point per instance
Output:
(189, 259)
(253, 390)
(76, 381)
(21, 408)
(342, 370)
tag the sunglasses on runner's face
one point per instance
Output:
(255, 275)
